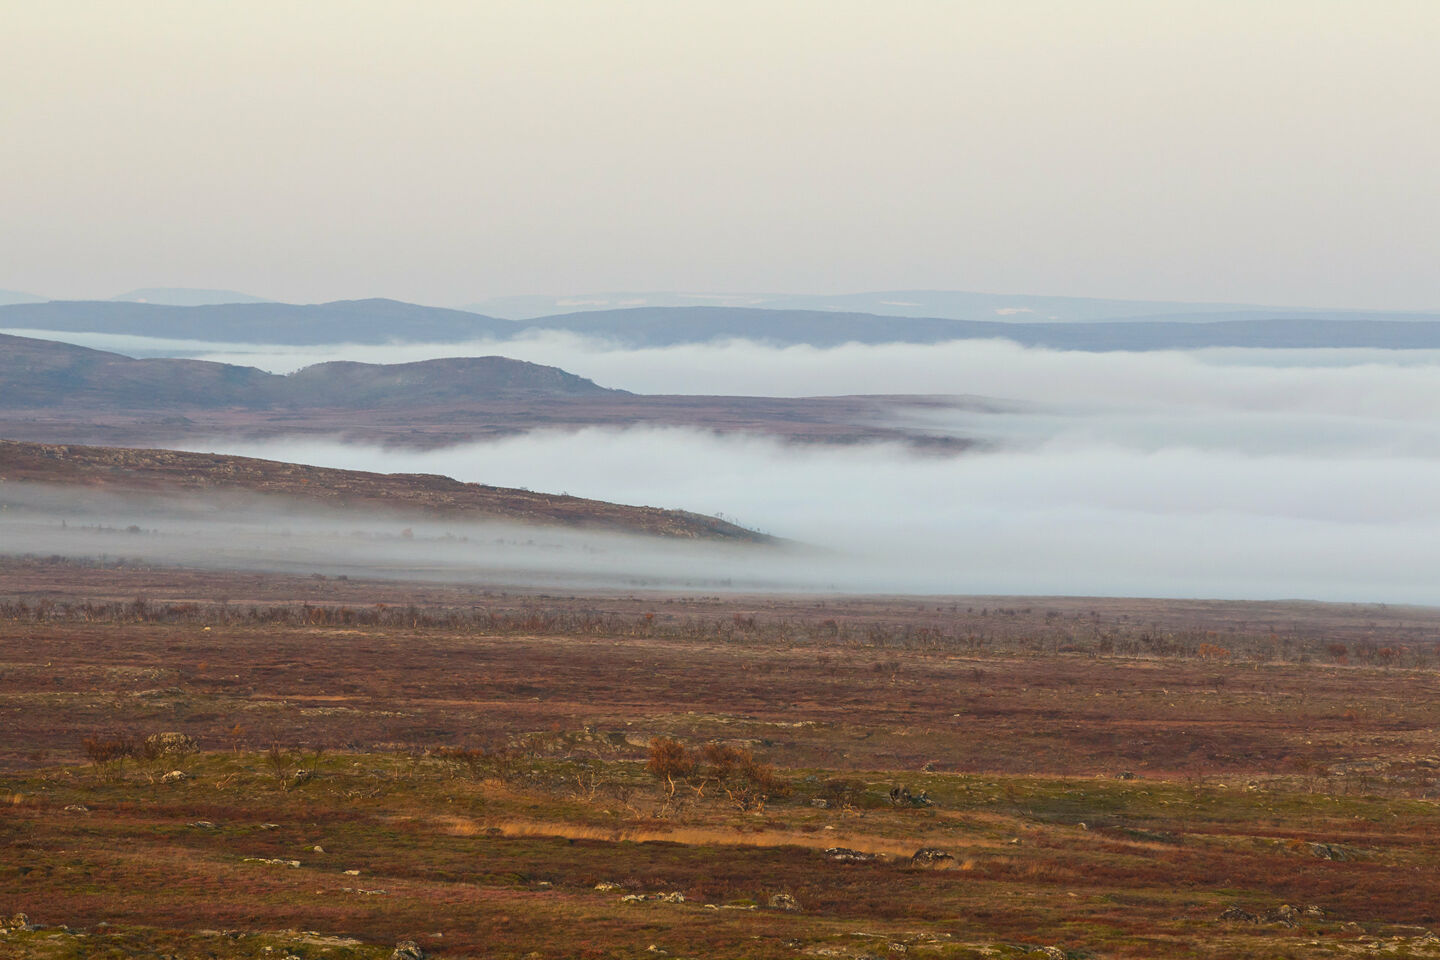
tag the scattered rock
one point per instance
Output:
(318, 849)
(175, 776)
(202, 825)
(17, 921)
(77, 808)
(1124, 775)
(605, 886)
(1285, 914)
(1329, 851)
(846, 855)
(783, 901)
(931, 857)
(274, 861)
(820, 802)
(675, 896)
(407, 950)
(1049, 953)
(352, 873)
(901, 796)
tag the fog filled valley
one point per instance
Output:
(1232, 473)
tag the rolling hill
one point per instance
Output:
(58, 392)
(99, 470)
(44, 373)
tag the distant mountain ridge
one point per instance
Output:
(343, 321)
(389, 321)
(187, 296)
(934, 304)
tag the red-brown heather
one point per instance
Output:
(518, 774)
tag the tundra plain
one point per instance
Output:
(365, 763)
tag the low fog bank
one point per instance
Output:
(226, 531)
(1404, 383)
(1050, 518)
(1217, 473)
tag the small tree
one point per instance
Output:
(108, 752)
(672, 762)
(746, 781)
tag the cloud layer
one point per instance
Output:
(1053, 518)
(1213, 473)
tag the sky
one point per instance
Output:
(1276, 152)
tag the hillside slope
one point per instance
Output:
(59, 393)
(44, 373)
(171, 472)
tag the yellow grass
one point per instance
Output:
(691, 836)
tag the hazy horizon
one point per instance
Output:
(447, 153)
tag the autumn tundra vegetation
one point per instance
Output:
(206, 764)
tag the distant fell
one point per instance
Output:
(936, 304)
(343, 321)
(349, 384)
(172, 472)
(187, 296)
(666, 326)
(45, 373)
(390, 321)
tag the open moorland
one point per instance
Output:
(201, 764)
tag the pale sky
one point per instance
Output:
(1275, 151)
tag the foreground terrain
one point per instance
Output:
(357, 764)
